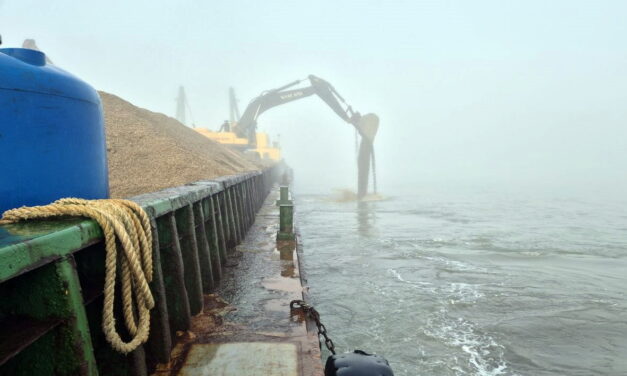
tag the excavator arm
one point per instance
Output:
(246, 127)
(366, 125)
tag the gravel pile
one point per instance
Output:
(149, 151)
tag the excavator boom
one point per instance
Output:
(366, 125)
(247, 124)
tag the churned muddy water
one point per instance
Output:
(451, 285)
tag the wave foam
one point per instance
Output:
(484, 354)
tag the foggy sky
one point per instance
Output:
(523, 95)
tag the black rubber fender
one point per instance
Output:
(357, 363)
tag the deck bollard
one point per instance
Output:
(284, 196)
(286, 215)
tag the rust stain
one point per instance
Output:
(288, 269)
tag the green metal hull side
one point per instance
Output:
(52, 275)
(50, 293)
(78, 338)
(27, 246)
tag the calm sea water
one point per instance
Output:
(472, 285)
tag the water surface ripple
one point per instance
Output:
(459, 286)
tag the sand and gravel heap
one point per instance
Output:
(149, 151)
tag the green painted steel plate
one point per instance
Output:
(25, 246)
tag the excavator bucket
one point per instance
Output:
(368, 127)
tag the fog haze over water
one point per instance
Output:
(483, 93)
(472, 284)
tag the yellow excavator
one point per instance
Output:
(243, 130)
(262, 148)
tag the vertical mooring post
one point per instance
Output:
(284, 195)
(286, 215)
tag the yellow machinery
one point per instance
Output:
(227, 138)
(226, 135)
(263, 147)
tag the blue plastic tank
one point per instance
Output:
(52, 139)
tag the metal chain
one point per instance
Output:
(315, 316)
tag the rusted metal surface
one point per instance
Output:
(264, 278)
(313, 314)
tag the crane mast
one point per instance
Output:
(234, 115)
(181, 100)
